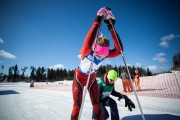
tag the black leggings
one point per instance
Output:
(113, 109)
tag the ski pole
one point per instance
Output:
(127, 68)
(90, 70)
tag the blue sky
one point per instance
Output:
(50, 33)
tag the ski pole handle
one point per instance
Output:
(107, 8)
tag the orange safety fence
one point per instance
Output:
(163, 85)
(48, 85)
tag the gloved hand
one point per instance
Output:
(129, 103)
(100, 15)
(101, 12)
(110, 19)
(120, 97)
(109, 14)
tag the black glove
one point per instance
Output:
(108, 24)
(98, 19)
(120, 97)
(129, 103)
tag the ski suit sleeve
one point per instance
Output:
(117, 44)
(90, 37)
(116, 94)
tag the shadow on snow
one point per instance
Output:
(152, 117)
(7, 92)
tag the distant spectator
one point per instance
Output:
(32, 84)
(126, 82)
(137, 80)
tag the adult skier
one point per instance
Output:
(99, 48)
(106, 88)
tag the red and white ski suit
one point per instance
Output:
(81, 73)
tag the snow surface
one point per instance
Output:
(20, 102)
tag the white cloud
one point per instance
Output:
(7, 55)
(55, 67)
(152, 67)
(1, 40)
(166, 39)
(138, 65)
(164, 44)
(160, 54)
(169, 37)
(160, 57)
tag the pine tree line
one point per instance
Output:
(42, 74)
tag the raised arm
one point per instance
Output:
(118, 46)
(91, 35)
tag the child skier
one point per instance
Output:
(106, 88)
(100, 50)
(137, 80)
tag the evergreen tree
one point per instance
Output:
(32, 74)
(10, 74)
(65, 73)
(38, 73)
(43, 74)
(148, 72)
(2, 67)
(51, 74)
(16, 72)
(58, 74)
(23, 72)
(61, 74)
(120, 70)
